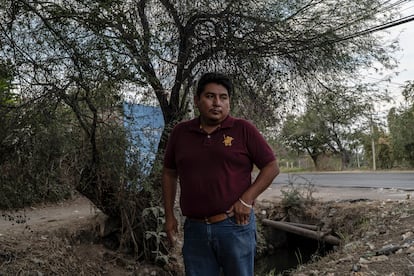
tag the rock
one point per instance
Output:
(364, 261)
(408, 243)
(410, 270)
(388, 249)
(35, 273)
(369, 234)
(374, 259)
(382, 230)
(410, 250)
(406, 235)
(380, 258)
(352, 246)
(356, 267)
(370, 245)
(38, 261)
(345, 259)
(332, 212)
(405, 215)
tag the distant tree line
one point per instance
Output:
(340, 124)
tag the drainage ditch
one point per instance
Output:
(285, 251)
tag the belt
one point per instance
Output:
(213, 219)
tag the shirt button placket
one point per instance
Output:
(207, 140)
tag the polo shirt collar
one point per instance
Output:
(227, 123)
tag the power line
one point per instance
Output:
(393, 5)
(377, 28)
(390, 7)
(381, 27)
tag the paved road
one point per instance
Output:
(338, 186)
(392, 180)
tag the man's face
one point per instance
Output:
(213, 103)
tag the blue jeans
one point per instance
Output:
(224, 246)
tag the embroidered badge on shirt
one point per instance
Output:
(227, 140)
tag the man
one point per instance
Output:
(213, 157)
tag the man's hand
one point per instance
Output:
(241, 213)
(171, 228)
(243, 206)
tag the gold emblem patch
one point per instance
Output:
(227, 140)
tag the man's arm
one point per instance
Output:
(169, 191)
(262, 181)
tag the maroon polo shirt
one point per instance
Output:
(215, 169)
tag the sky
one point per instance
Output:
(407, 56)
(407, 44)
(405, 33)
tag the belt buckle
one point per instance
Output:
(206, 220)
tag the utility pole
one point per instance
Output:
(357, 156)
(374, 165)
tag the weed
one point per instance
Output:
(299, 258)
(154, 216)
(297, 195)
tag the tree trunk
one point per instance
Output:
(345, 159)
(315, 160)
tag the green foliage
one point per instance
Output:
(384, 152)
(32, 149)
(328, 124)
(385, 156)
(7, 105)
(408, 92)
(401, 126)
(6, 95)
(303, 134)
(32, 163)
(45, 149)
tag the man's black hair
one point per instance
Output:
(214, 77)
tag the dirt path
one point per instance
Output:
(47, 216)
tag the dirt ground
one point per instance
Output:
(61, 239)
(376, 227)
